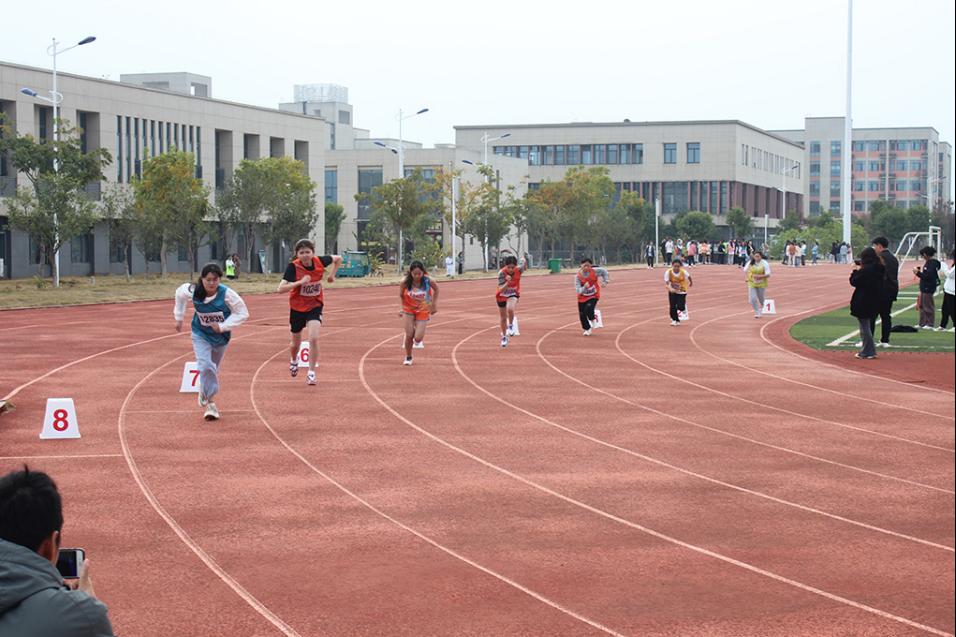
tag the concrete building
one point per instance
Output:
(186, 83)
(904, 165)
(351, 172)
(711, 166)
(135, 123)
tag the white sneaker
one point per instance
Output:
(675, 322)
(212, 412)
(882, 344)
(418, 345)
(858, 344)
(510, 331)
(587, 332)
(926, 327)
(407, 361)
(504, 341)
(310, 378)
(937, 329)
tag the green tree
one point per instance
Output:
(740, 223)
(401, 203)
(696, 225)
(620, 227)
(793, 220)
(118, 209)
(487, 220)
(544, 217)
(55, 208)
(589, 195)
(918, 219)
(820, 220)
(887, 220)
(824, 235)
(169, 195)
(334, 216)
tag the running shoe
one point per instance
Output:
(882, 344)
(407, 361)
(859, 355)
(504, 340)
(510, 332)
(212, 412)
(514, 330)
(294, 368)
(418, 345)
(587, 332)
(310, 378)
(675, 322)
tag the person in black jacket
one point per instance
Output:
(867, 279)
(891, 289)
(928, 276)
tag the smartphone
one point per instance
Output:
(69, 562)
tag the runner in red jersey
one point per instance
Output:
(588, 289)
(507, 294)
(303, 281)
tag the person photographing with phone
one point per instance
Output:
(34, 599)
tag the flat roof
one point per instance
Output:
(698, 122)
(139, 87)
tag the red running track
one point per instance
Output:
(648, 480)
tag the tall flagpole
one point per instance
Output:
(846, 158)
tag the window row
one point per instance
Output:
(575, 154)
(760, 159)
(139, 139)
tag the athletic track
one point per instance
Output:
(710, 479)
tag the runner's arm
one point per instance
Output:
(183, 294)
(239, 311)
(335, 262)
(288, 282)
(604, 274)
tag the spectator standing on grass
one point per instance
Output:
(947, 272)
(814, 253)
(867, 280)
(230, 268)
(928, 276)
(34, 599)
(758, 276)
(891, 289)
(844, 251)
(649, 254)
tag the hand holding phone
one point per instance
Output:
(69, 563)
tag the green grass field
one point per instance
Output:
(818, 331)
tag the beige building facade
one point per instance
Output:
(711, 166)
(134, 123)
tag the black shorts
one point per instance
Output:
(297, 320)
(505, 303)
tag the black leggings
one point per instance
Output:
(678, 303)
(948, 309)
(650, 261)
(586, 313)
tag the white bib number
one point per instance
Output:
(208, 318)
(311, 289)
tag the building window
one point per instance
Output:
(637, 157)
(574, 154)
(815, 189)
(835, 188)
(559, 155)
(834, 169)
(129, 149)
(873, 186)
(80, 248)
(626, 153)
(743, 154)
(858, 146)
(332, 185)
(534, 156)
(612, 155)
(814, 148)
(859, 206)
(549, 155)
(859, 186)
(670, 153)
(368, 178)
(814, 169)
(835, 148)
(814, 207)
(874, 145)
(693, 152)
(600, 154)
(119, 149)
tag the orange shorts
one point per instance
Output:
(420, 315)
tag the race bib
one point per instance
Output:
(208, 318)
(310, 289)
(588, 290)
(508, 292)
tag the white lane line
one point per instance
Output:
(838, 342)
(207, 559)
(428, 540)
(661, 536)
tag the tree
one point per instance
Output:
(791, 221)
(589, 195)
(696, 225)
(118, 209)
(740, 223)
(487, 220)
(918, 219)
(887, 220)
(619, 227)
(824, 235)
(55, 208)
(403, 202)
(276, 186)
(170, 196)
(334, 216)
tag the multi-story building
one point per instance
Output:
(711, 166)
(352, 172)
(136, 122)
(903, 165)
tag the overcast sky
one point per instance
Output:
(767, 62)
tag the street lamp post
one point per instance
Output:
(400, 151)
(846, 159)
(657, 238)
(55, 99)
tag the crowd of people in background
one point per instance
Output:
(693, 252)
